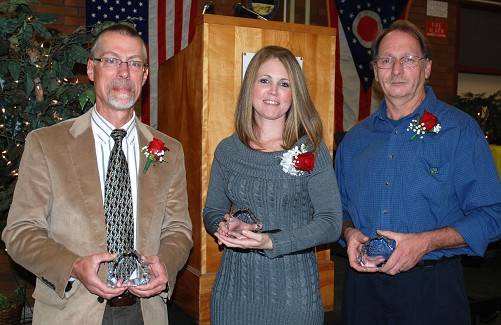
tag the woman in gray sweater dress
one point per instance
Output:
(277, 166)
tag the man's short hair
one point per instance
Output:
(120, 28)
(406, 27)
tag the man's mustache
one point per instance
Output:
(125, 83)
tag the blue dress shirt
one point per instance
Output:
(390, 182)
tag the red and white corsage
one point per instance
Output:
(298, 161)
(154, 151)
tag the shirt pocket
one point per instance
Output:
(434, 165)
(435, 173)
(434, 181)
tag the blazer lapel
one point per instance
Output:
(82, 153)
(147, 183)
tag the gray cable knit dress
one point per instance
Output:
(278, 286)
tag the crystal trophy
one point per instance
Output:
(376, 251)
(246, 216)
(140, 276)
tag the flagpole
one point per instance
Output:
(407, 9)
(307, 12)
(285, 11)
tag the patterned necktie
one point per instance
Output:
(118, 207)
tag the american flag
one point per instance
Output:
(357, 24)
(167, 26)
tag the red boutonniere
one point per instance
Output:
(154, 151)
(428, 123)
(298, 161)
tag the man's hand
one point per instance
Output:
(410, 250)
(354, 240)
(158, 281)
(85, 270)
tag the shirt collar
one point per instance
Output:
(428, 103)
(102, 128)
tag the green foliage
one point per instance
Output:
(486, 110)
(17, 297)
(39, 86)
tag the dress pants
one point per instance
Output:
(431, 295)
(126, 315)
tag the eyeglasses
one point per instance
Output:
(114, 63)
(407, 61)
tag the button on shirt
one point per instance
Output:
(104, 143)
(390, 182)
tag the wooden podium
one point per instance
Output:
(198, 89)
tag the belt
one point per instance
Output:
(432, 263)
(125, 299)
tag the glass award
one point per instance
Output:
(140, 272)
(246, 216)
(376, 251)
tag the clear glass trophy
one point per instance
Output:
(139, 276)
(246, 216)
(376, 251)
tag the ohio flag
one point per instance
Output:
(357, 24)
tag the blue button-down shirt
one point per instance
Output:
(390, 182)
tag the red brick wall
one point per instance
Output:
(443, 50)
(69, 14)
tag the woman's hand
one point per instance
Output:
(247, 240)
(233, 227)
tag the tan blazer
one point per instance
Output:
(57, 215)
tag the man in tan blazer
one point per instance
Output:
(56, 226)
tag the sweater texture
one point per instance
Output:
(277, 286)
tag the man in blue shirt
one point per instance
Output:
(420, 172)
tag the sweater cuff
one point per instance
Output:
(213, 226)
(281, 245)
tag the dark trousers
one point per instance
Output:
(128, 315)
(425, 295)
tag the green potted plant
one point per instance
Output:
(39, 83)
(11, 306)
(486, 109)
(42, 82)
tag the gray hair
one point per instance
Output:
(120, 29)
(406, 27)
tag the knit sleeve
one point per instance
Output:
(217, 203)
(325, 225)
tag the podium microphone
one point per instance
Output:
(240, 10)
(208, 8)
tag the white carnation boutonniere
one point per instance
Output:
(298, 160)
